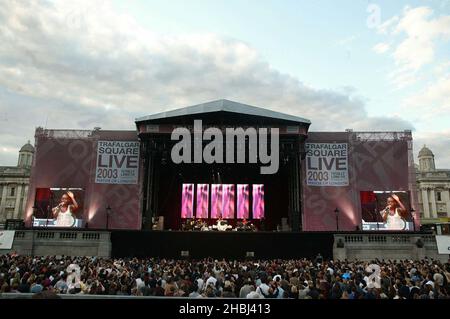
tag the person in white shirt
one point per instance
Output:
(61, 285)
(200, 284)
(64, 213)
(139, 283)
(394, 214)
(303, 291)
(211, 281)
(263, 289)
(438, 279)
(254, 295)
(247, 288)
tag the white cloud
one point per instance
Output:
(442, 68)
(348, 40)
(417, 49)
(433, 101)
(83, 64)
(381, 48)
(386, 27)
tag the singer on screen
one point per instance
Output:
(64, 213)
(394, 215)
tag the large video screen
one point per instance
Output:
(202, 200)
(187, 201)
(228, 194)
(216, 200)
(258, 201)
(243, 191)
(386, 210)
(58, 207)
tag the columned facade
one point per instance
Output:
(426, 207)
(434, 189)
(14, 182)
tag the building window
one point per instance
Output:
(13, 191)
(438, 196)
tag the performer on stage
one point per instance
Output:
(199, 224)
(222, 224)
(394, 215)
(64, 213)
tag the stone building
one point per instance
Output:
(14, 182)
(433, 189)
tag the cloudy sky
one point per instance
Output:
(381, 65)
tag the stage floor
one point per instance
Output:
(231, 244)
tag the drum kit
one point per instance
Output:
(222, 225)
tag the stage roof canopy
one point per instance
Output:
(223, 106)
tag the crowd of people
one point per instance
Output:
(209, 278)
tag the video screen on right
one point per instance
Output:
(386, 210)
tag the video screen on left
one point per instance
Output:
(58, 207)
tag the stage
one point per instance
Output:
(216, 244)
(323, 181)
(231, 245)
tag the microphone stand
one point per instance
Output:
(32, 230)
(49, 208)
(375, 214)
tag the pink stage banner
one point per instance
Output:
(243, 191)
(202, 200)
(187, 201)
(228, 201)
(258, 201)
(216, 200)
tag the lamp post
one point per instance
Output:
(32, 230)
(49, 209)
(377, 219)
(336, 211)
(413, 213)
(108, 212)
